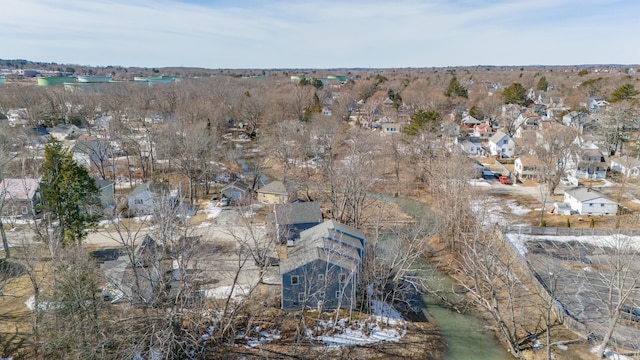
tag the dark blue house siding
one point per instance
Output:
(318, 281)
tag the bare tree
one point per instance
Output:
(616, 270)
(491, 283)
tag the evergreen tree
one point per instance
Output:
(69, 195)
(624, 92)
(456, 89)
(422, 120)
(515, 94)
(543, 84)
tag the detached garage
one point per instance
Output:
(586, 201)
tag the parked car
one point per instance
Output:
(267, 261)
(224, 202)
(504, 180)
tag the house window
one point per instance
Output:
(138, 201)
(301, 297)
(601, 205)
(338, 294)
(321, 277)
(591, 205)
(295, 280)
(25, 210)
(342, 277)
(321, 294)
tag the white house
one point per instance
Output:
(626, 165)
(470, 146)
(586, 201)
(391, 128)
(590, 164)
(500, 144)
(483, 131)
(64, 131)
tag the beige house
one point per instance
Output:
(274, 192)
(527, 167)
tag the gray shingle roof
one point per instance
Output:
(298, 213)
(584, 194)
(497, 137)
(307, 255)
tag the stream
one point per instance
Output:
(465, 334)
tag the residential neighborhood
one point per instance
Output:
(279, 204)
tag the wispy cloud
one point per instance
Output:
(326, 33)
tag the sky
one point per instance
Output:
(321, 34)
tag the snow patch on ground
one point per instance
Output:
(491, 210)
(517, 209)
(212, 210)
(223, 292)
(43, 305)
(386, 324)
(479, 182)
(262, 337)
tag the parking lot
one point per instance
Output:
(580, 273)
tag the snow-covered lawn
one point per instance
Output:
(222, 292)
(385, 324)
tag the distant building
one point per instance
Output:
(18, 197)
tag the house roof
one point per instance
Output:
(240, 185)
(63, 128)
(148, 186)
(88, 145)
(470, 120)
(483, 128)
(319, 236)
(529, 161)
(585, 194)
(310, 254)
(497, 137)
(275, 187)
(298, 213)
(325, 228)
(19, 189)
(319, 242)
